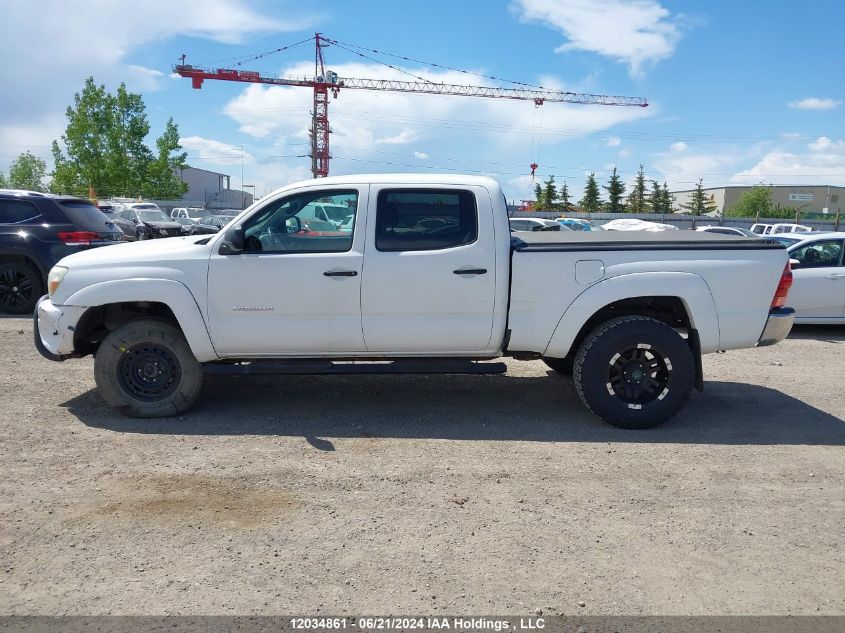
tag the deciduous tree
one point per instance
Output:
(27, 172)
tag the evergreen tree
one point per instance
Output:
(549, 192)
(538, 196)
(638, 198)
(655, 198)
(615, 190)
(666, 199)
(591, 202)
(3, 183)
(698, 200)
(564, 196)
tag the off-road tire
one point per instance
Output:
(563, 366)
(146, 369)
(28, 282)
(597, 371)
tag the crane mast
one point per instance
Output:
(324, 82)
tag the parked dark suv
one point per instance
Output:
(36, 231)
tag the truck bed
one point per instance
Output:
(549, 241)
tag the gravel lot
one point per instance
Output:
(441, 494)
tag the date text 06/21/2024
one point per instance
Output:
(419, 623)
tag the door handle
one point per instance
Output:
(341, 273)
(836, 276)
(470, 271)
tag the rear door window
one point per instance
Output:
(425, 219)
(18, 212)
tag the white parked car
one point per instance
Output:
(786, 227)
(189, 213)
(429, 278)
(536, 224)
(633, 224)
(729, 230)
(761, 229)
(818, 291)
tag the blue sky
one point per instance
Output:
(740, 92)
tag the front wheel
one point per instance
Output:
(20, 288)
(634, 372)
(147, 370)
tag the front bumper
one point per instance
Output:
(777, 327)
(52, 329)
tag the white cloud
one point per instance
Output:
(73, 43)
(216, 152)
(823, 143)
(815, 103)
(624, 153)
(613, 141)
(824, 163)
(405, 136)
(682, 168)
(634, 32)
(143, 78)
(421, 155)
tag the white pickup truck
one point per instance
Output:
(425, 277)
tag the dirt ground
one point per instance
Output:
(425, 495)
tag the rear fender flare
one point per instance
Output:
(173, 294)
(692, 289)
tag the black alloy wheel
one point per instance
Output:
(20, 288)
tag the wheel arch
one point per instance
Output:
(112, 303)
(684, 301)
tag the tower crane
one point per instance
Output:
(324, 82)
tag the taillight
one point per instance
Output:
(784, 285)
(78, 238)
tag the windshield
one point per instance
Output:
(152, 216)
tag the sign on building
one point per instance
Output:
(800, 197)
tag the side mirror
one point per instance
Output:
(135, 220)
(293, 224)
(794, 263)
(233, 241)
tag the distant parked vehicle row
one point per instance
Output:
(145, 220)
(782, 227)
(36, 231)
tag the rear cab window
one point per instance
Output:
(425, 219)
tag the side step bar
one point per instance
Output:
(328, 367)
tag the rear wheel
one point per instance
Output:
(20, 288)
(146, 369)
(634, 372)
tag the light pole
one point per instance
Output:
(253, 193)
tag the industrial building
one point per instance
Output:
(803, 198)
(211, 189)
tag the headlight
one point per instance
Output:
(57, 273)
